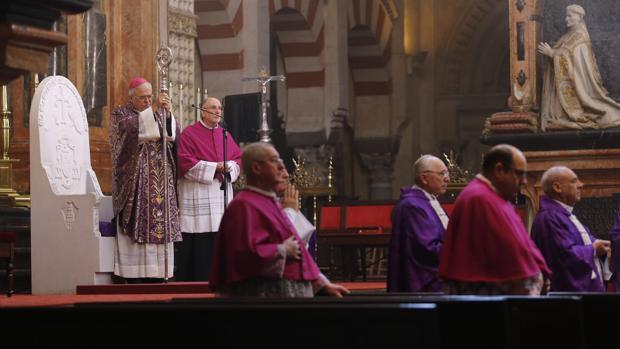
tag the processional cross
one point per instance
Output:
(263, 79)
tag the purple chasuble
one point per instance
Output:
(417, 237)
(198, 142)
(138, 182)
(571, 262)
(246, 245)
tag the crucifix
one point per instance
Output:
(263, 79)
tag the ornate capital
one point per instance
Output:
(380, 167)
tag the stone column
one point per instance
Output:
(335, 55)
(255, 41)
(336, 107)
(380, 174)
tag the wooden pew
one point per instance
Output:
(391, 321)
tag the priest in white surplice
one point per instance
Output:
(142, 186)
(201, 200)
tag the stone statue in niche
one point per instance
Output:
(573, 96)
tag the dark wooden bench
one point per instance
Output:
(354, 227)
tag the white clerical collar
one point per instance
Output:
(441, 214)
(430, 196)
(271, 194)
(567, 207)
(205, 125)
(481, 177)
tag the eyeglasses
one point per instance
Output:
(144, 98)
(218, 107)
(443, 173)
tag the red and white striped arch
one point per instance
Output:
(370, 36)
(219, 25)
(299, 27)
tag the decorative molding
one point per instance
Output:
(521, 78)
(182, 23)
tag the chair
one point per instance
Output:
(7, 251)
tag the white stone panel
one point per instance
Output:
(373, 114)
(303, 64)
(66, 200)
(306, 114)
(213, 18)
(219, 46)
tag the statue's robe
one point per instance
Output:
(573, 95)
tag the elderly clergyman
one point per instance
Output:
(572, 253)
(418, 225)
(139, 185)
(258, 252)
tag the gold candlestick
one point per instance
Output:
(8, 196)
(6, 123)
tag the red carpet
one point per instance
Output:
(23, 300)
(142, 292)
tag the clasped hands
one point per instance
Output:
(222, 167)
(602, 247)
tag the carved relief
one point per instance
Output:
(66, 168)
(69, 212)
(63, 132)
(65, 106)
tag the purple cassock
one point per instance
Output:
(571, 261)
(614, 236)
(417, 237)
